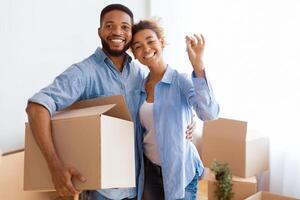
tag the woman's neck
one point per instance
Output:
(157, 72)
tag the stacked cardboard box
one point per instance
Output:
(246, 153)
(11, 181)
(242, 187)
(268, 196)
(96, 137)
(229, 141)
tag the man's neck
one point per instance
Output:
(118, 61)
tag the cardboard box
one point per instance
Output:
(198, 140)
(96, 140)
(202, 190)
(229, 141)
(268, 196)
(11, 180)
(242, 187)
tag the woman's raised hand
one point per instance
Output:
(195, 48)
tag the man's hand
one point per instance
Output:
(190, 130)
(62, 176)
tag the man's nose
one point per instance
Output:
(117, 30)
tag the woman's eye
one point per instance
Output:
(136, 47)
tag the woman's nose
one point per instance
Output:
(146, 48)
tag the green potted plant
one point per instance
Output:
(223, 183)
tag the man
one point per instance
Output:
(109, 71)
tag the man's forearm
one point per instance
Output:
(40, 124)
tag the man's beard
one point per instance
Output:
(115, 53)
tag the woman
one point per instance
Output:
(171, 165)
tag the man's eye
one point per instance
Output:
(108, 26)
(136, 47)
(126, 28)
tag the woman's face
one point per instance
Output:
(147, 47)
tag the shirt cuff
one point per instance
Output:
(200, 82)
(44, 100)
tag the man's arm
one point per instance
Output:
(40, 124)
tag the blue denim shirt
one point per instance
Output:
(175, 96)
(96, 76)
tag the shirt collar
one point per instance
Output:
(168, 75)
(102, 56)
(167, 78)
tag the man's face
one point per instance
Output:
(115, 32)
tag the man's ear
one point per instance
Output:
(99, 31)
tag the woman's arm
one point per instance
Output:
(199, 95)
(197, 90)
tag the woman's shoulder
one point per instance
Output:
(174, 73)
(182, 77)
(182, 80)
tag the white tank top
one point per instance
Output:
(150, 144)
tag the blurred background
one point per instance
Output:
(252, 60)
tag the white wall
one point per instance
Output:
(252, 55)
(253, 61)
(39, 40)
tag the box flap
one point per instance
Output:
(256, 196)
(82, 112)
(246, 180)
(268, 196)
(272, 196)
(120, 110)
(210, 176)
(225, 129)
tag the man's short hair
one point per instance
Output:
(115, 7)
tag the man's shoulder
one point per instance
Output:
(137, 67)
(91, 62)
